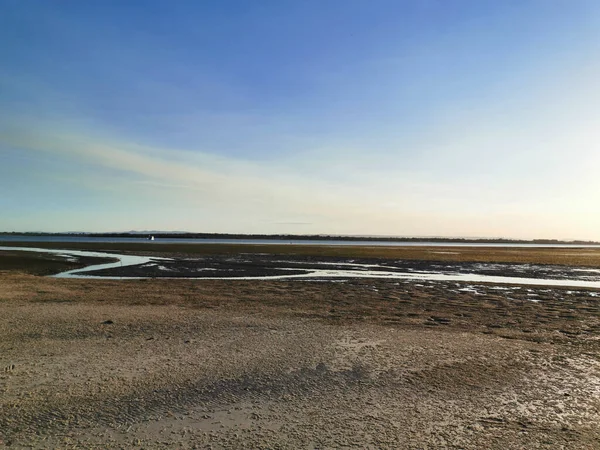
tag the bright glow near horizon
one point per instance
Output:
(424, 118)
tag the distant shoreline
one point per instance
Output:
(319, 237)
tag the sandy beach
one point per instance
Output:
(296, 364)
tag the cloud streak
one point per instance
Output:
(236, 195)
(199, 178)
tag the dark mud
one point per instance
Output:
(260, 265)
(45, 264)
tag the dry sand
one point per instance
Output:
(264, 364)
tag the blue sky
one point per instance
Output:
(421, 118)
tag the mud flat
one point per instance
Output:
(465, 267)
(573, 256)
(44, 264)
(355, 363)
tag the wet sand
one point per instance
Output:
(296, 364)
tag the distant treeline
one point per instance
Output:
(294, 237)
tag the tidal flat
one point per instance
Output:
(304, 363)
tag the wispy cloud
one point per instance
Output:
(199, 178)
(472, 187)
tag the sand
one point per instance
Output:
(296, 364)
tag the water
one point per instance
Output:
(129, 260)
(122, 260)
(158, 241)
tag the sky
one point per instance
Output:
(456, 118)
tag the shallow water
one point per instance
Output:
(363, 272)
(142, 239)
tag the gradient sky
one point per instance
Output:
(414, 118)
